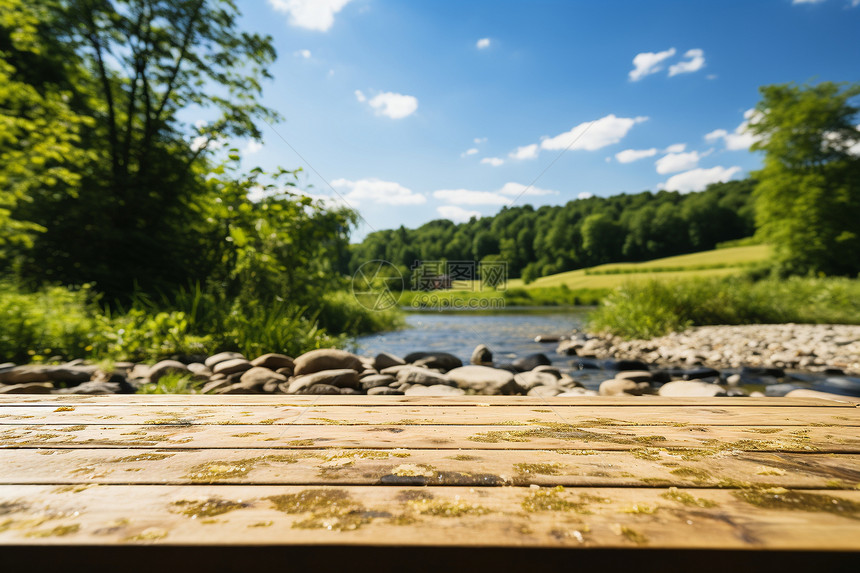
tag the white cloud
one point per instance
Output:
(742, 138)
(483, 43)
(252, 147)
(525, 152)
(593, 135)
(698, 179)
(306, 54)
(716, 135)
(457, 214)
(378, 191)
(310, 14)
(648, 63)
(630, 155)
(674, 162)
(494, 161)
(472, 151)
(505, 196)
(815, 2)
(359, 95)
(469, 197)
(480, 140)
(393, 105)
(328, 201)
(202, 141)
(695, 63)
(840, 143)
(585, 195)
(676, 148)
(518, 189)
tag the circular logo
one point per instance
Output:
(377, 285)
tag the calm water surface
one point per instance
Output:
(509, 333)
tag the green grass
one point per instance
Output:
(654, 308)
(590, 285)
(57, 323)
(170, 383)
(707, 264)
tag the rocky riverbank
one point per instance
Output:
(769, 360)
(811, 347)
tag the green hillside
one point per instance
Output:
(715, 263)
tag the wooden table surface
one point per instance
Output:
(385, 472)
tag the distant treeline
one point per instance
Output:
(581, 233)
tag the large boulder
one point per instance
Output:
(568, 347)
(42, 373)
(273, 361)
(531, 361)
(258, 377)
(221, 357)
(690, 388)
(326, 359)
(386, 360)
(376, 380)
(533, 379)
(619, 365)
(93, 388)
(485, 380)
(384, 391)
(27, 388)
(545, 391)
(621, 387)
(441, 360)
(423, 376)
(634, 375)
(319, 389)
(159, 369)
(434, 390)
(232, 366)
(340, 378)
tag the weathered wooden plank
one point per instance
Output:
(537, 436)
(582, 468)
(458, 516)
(420, 415)
(238, 400)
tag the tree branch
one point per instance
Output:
(106, 87)
(183, 52)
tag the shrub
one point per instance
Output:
(654, 308)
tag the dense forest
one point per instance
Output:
(585, 232)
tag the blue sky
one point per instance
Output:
(417, 110)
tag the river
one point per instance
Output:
(509, 334)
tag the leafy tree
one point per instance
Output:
(808, 194)
(281, 246)
(133, 219)
(40, 133)
(600, 236)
